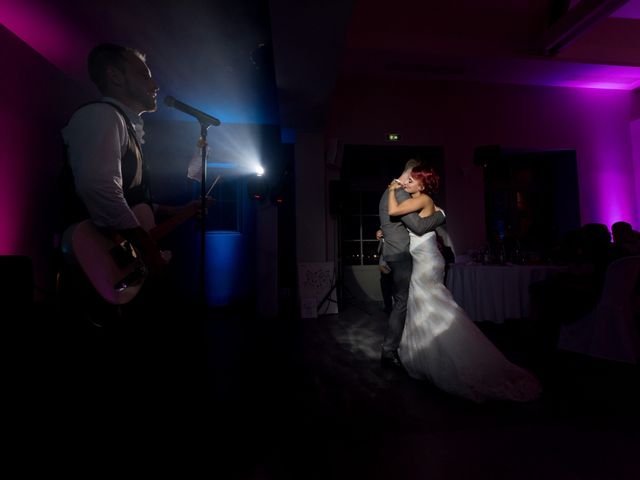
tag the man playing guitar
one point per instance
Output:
(105, 193)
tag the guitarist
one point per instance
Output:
(105, 175)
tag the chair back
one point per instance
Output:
(620, 282)
(610, 330)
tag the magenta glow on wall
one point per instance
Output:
(44, 29)
(13, 175)
(616, 200)
(610, 181)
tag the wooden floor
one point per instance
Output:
(307, 399)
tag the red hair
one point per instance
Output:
(429, 179)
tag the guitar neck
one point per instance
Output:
(173, 222)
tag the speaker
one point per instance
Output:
(486, 155)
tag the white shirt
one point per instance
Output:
(97, 138)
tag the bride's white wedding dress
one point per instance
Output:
(442, 344)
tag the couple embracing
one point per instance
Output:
(429, 335)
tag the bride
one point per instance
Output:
(440, 342)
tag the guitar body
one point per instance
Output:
(112, 265)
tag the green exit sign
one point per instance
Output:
(393, 137)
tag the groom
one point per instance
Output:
(396, 254)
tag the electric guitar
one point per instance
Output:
(111, 263)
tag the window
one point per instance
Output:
(531, 199)
(358, 224)
(366, 171)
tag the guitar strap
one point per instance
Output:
(135, 172)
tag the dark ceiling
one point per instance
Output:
(503, 41)
(215, 54)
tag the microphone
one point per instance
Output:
(194, 112)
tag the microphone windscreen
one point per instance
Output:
(169, 100)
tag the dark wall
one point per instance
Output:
(37, 99)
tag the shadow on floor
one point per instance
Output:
(292, 398)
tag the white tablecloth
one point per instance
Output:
(493, 293)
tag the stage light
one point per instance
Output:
(259, 170)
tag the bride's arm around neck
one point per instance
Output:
(419, 224)
(421, 204)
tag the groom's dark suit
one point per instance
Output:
(396, 254)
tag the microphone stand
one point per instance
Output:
(205, 122)
(203, 217)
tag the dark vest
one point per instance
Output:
(73, 209)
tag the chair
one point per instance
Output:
(609, 331)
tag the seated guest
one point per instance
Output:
(571, 294)
(626, 241)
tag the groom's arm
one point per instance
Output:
(417, 224)
(421, 225)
